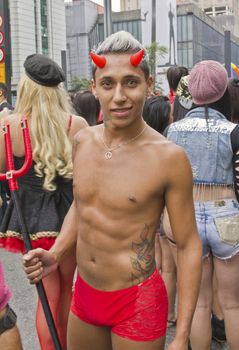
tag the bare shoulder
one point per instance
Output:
(84, 137)
(14, 122)
(166, 150)
(12, 119)
(4, 114)
(174, 153)
(86, 133)
(78, 123)
(177, 165)
(169, 158)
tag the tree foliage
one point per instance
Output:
(155, 52)
(80, 84)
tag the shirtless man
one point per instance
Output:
(124, 175)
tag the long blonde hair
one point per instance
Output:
(48, 110)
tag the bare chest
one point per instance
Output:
(122, 181)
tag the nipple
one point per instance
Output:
(132, 198)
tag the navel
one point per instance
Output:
(93, 260)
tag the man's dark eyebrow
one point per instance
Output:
(106, 78)
(130, 76)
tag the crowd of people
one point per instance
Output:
(131, 203)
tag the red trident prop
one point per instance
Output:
(11, 176)
(100, 61)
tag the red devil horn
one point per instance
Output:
(136, 58)
(99, 61)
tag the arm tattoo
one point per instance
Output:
(143, 263)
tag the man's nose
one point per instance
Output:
(119, 95)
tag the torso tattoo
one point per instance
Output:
(144, 261)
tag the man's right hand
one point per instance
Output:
(39, 263)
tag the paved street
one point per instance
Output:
(24, 298)
(24, 302)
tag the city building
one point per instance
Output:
(85, 29)
(5, 46)
(129, 21)
(128, 5)
(188, 34)
(225, 13)
(37, 26)
(215, 7)
(201, 38)
(82, 34)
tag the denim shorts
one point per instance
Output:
(207, 215)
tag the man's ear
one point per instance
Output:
(150, 84)
(150, 81)
(93, 86)
(1, 93)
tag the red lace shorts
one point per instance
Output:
(138, 313)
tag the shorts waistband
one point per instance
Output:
(81, 281)
(220, 203)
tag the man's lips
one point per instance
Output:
(121, 112)
(120, 109)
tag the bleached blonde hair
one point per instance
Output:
(122, 42)
(48, 111)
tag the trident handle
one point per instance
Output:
(11, 175)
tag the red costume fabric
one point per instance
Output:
(137, 313)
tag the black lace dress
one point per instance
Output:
(43, 211)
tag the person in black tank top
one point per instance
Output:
(45, 192)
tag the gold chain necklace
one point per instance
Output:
(108, 153)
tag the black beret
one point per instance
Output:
(43, 70)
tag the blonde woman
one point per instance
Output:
(46, 191)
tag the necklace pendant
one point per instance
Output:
(108, 155)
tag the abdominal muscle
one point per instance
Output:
(115, 256)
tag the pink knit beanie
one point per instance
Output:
(207, 82)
